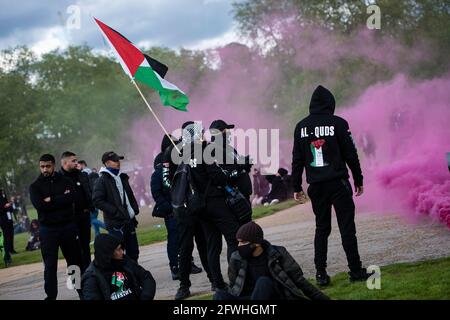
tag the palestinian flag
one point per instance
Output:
(141, 67)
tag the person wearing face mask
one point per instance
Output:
(114, 276)
(114, 196)
(53, 196)
(259, 270)
(237, 167)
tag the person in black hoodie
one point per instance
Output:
(114, 276)
(114, 196)
(53, 196)
(163, 208)
(323, 145)
(83, 203)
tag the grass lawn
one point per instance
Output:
(424, 280)
(147, 234)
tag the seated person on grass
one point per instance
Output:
(261, 271)
(114, 276)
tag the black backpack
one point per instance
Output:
(184, 193)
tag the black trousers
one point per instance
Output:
(8, 235)
(83, 223)
(218, 220)
(324, 195)
(189, 228)
(127, 234)
(53, 238)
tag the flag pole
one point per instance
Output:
(154, 114)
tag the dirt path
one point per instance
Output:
(383, 239)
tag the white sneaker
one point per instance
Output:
(274, 201)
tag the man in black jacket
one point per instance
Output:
(163, 209)
(217, 219)
(324, 146)
(261, 271)
(83, 203)
(53, 195)
(113, 195)
(114, 276)
(189, 227)
(236, 166)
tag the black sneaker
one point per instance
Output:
(175, 273)
(182, 293)
(360, 275)
(322, 279)
(195, 269)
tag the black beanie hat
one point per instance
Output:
(251, 232)
(282, 172)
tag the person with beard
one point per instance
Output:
(53, 196)
(114, 276)
(259, 270)
(323, 144)
(83, 203)
(234, 165)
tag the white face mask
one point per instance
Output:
(192, 133)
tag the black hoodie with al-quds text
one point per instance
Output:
(323, 144)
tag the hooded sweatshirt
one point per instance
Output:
(110, 279)
(323, 144)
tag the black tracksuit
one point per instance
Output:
(118, 222)
(323, 145)
(57, 229)
(83, 208)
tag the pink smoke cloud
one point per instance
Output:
(408, 124)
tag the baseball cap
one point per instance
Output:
(220, 125)
(111, 155)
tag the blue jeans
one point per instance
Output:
(96, 223)
(127, 234)
(172, 241)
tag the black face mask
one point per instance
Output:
(246, 250)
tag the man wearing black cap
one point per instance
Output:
(324, 146)
(113, 195)
(236, 166)
(261, 271)
(53, 196)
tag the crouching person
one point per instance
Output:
(261, 271)
(114, 276)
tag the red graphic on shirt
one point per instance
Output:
(318, 143)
